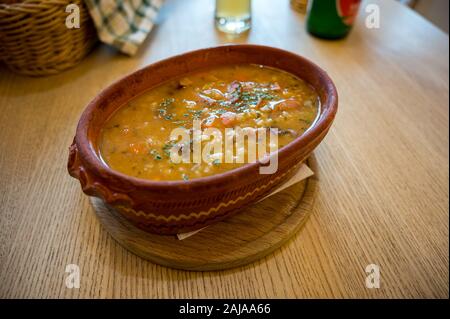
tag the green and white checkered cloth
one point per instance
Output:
(123, 24)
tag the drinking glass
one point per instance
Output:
(233, 16)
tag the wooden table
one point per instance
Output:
(383, 190)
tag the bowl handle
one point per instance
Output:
(91, 185)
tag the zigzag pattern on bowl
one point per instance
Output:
(122, 201)
(215, 209)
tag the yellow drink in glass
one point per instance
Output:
(233, 16)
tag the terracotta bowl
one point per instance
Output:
(170, 207)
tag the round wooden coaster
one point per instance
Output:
(241, 239)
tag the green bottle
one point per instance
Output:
(331, 19)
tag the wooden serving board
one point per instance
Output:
(241, 239)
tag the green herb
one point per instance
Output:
(155, 155)
(163, 108)
(168, 147)
(236, 93)
(253, 97)
(216, 162)
(247, 96)
(166, 102)
(305, 121)
(266, 96)
(185, 177)
(196, 114)
(224, 103)
(242, 108)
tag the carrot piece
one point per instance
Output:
(288, 105)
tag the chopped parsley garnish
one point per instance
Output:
(224, 103)
(166, 102)
(237, 90)
(305, 121)
(196, 114)
(168, 147)
(155, 155)
(163, 106)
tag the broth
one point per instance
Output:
(136, 138)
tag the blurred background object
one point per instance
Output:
(34, 39)
(299, 5)
(233, 16)
(331, 19)
(124, 24)
(436, 11)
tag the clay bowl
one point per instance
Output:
(170, 207)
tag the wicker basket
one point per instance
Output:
(34, 39)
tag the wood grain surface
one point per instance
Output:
(243, 238)
(383, 188)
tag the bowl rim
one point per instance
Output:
(96, 165)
